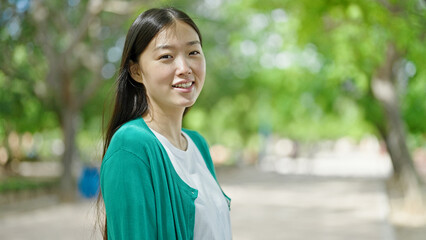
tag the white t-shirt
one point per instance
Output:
(212, 220)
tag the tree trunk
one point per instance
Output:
(68, 186)
(68, 116)
(12, 156)
(405, 175)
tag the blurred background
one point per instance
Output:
(314, 111)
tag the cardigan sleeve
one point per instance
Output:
(128, 194)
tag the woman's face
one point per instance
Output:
(172, 68)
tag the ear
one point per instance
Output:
(135, 72)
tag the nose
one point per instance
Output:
(183, 67)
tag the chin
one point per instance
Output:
(187, 104)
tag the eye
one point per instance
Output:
(194, 53)
(166, 56)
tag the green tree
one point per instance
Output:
(378, 46)
(66, 49)
(20, 109)
(318, 69)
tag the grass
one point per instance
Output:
(14, 184)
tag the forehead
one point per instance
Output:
(178, 32)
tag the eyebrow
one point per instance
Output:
(165, 46)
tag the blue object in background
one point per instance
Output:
(88, 184)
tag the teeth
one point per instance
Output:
(183, 85)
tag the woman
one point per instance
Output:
(157, 179)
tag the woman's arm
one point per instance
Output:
(127, 190)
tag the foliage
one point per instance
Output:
(297, 68)
(22, 66)
(303, 68)
(13, 184)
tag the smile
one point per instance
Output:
(183, 85)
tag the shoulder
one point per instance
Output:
(133, 137)
(195, 137)
(203, 147)
(199, 141)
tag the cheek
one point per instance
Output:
(164, 75)
(158, 74)
(201, 70)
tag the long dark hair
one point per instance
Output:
(130, 98)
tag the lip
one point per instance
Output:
(182, 82)
(184, 90)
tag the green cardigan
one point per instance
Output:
(144, 196)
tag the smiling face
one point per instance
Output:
(172, 68)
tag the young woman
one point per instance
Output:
(157, 179)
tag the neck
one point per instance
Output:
(168, 124)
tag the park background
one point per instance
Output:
(298, 88)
